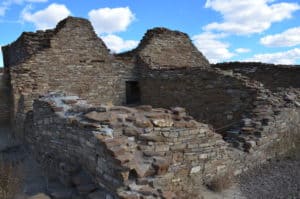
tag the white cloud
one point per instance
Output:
(249, 16)
(210, 45)
(290, 37)
(47, 18)
(2, 11)
(242, 50)
(6, 4)
(110, 20)
(286, 57)
(117, 44)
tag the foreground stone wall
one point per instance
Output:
(130, 152)
(151, 152)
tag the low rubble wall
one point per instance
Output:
(130, 151)
(147, 152)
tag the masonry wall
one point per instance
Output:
(165, 152)
(272, 76)
(76, 62)
(4, 99)
(162, 151)
(25, 46)
(164, 48)
(210, 97)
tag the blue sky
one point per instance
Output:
(223, 30)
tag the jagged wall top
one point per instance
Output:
(30, 43)
(159, 48)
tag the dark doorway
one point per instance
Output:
(133, 93)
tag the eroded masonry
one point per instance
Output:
(156, 122)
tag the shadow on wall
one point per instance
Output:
(209, 97)
(4, 99)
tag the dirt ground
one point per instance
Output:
(278, 179)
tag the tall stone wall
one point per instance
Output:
(209, 96)
(164, 48)
(76, 62)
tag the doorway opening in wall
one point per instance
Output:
(133, 93)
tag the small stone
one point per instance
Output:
(122, 109)
(196, 169)
(290, 97)
(297, 103)
(179, 111)
(147, 108)
(248, 145)
(103, 117)
(161, 165)
(142, 168)
(69, 101)
(151, 137)
(162, 122)
(169, 195)
(132, 131)
(142, 122)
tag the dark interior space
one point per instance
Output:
(133, 93)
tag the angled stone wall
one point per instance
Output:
(130, 152)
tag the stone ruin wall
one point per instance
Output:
(150, 152)
(256, 122)
(161, 43)
(210, 97)
(273, 77)
(4, 99)
(75, 61)
(140, 151)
